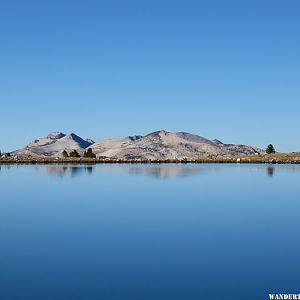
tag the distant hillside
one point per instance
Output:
(158, 145)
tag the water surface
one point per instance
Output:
(149, 231)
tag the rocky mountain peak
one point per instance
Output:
(55, 135)
(77, 139)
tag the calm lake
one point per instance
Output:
(149, 232)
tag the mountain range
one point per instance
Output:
(158, 145)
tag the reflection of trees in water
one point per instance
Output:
(3, 167)
(89, 169)
(65, 170)
(282, 168)
(270, 171)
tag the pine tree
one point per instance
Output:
(89, 153)
(270, 149)
(74, 153)
(65, 154)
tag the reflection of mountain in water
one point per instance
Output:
(65, 170)
(166, 172)
(161, 172)
(171, 170)
(157, 171)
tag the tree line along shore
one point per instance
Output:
(273, 158)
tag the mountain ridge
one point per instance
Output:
(157, 145)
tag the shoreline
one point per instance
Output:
(288, 158)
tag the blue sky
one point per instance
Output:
(221, 69)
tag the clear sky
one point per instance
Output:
(221, 69)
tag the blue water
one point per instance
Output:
(149, 232)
